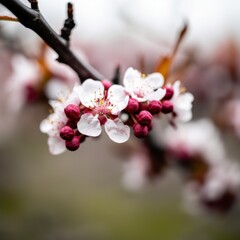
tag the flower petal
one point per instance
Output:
(184, 101)
(183, 115)
(155, 80)
(118, 97)
(176, 89)
(130, 76)
(56, 145)
(157, 95)
(45, 126)
(89, 125)
(90, 91)
(117, 131)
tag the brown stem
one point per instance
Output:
(34, 20)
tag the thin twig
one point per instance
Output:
(34, 4)
(69, 24)
(7, 18)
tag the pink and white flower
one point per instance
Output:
(144, 88)
(182, 103)
(219, 192)
(58, 119)
(103, 107)
(32, 76)
(193, 139)
(24, 77)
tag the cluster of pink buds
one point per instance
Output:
(97, 104)
(141, 113)
(69, 132)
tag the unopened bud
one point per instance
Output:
(133, 105)
(82, 137)
(144, 118)
(167, 107)
(169, 93)
(140, 131)
(67, 133)
(31, 94)
(71, 123)
(74, 144)
(155, 107)
(72, 111)
(143, 106)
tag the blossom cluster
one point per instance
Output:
(211, 180)
(83, 112)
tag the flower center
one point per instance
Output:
(102, 106)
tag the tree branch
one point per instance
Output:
(34, 20)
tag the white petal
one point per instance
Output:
(157, 95)
(130, 76)
(56, 145)
(90, 91)
(117, 131)
(89, 125)
(184, 101)
(118, 97)
(74, 96)
(45, 126)
(155, 80)
(53, 87)
(176, 88)
(184, 115)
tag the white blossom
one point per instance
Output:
(144, 88)
(103, 109)
(25, 73)
(182, 103)
(53, 124)
(194, 138)
(221, 180)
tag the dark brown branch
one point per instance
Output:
(69, 24)
(34, 20)
(116, 76)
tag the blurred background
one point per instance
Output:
(83, 194)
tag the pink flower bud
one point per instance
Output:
(74, 144)
(31, 94)
(67, 133)
(143, 106)
(144, 118)
(72, 112)
(82, 137)
(155, 107)
(167, 107)
(107, 84)
(71, 123)
(133, 105)
(140, 131)
(169, 93)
